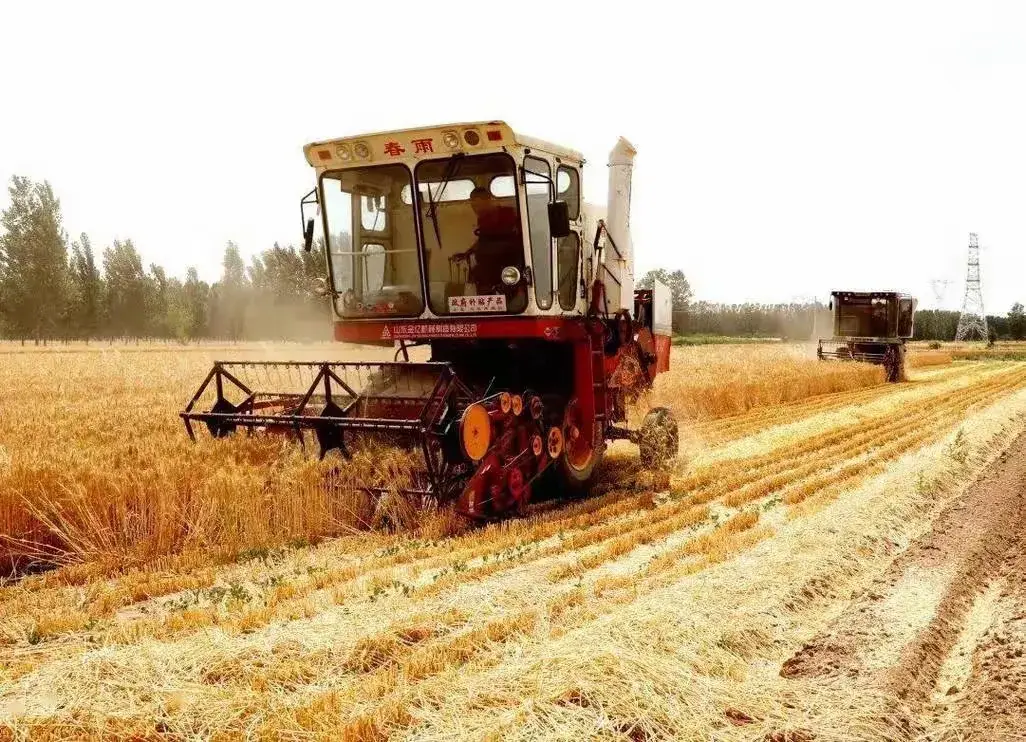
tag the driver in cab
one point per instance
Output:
(498, 242)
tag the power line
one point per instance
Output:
(940, 290)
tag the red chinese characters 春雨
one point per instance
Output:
(423, 145)
(394, 149)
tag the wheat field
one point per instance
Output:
(218, 590)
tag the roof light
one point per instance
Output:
(343, 153)
(494, 135)
(450, 139)
(361, 150)
(471, 137)
(324, 154)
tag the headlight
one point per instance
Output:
(510, 275)
(361, 150)
(343, 153)
(471, 137)
(450, 139)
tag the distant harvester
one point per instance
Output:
(870, 326)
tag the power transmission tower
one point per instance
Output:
(972, 320)
(940, 290)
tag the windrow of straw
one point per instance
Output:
(719, 381)
(923, 358)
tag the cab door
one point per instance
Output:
(568, 249)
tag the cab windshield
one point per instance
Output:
(371, 239)
(470, 222)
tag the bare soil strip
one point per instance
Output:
(899, 634)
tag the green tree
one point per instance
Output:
(158, 302)
(86, 292)
(33, 261)
(230, 296)
(195, 304)
(1017, 322)
(282, 303)
(680, 290)
(127, 300)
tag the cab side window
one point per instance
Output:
(568, 249)
(537, 177)
(568, 188)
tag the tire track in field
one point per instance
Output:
(962, 400)
(593, 524)
(951, 409)
(105, 598)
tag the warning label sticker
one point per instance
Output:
(470, 304)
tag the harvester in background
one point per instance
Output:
(870, 326)
(473, 240)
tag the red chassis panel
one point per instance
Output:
(556, 329)
(662, 348)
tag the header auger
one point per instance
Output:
(472, 240)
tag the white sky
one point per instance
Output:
(785, 148)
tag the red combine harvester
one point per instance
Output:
(473, 240)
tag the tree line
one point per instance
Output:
(802, 321)
(52, 288)
(941, 324)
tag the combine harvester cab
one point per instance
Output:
(473, 240)
(872, 327)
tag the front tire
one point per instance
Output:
(894, 362)
(577, 472)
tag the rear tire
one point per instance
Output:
(659, 438)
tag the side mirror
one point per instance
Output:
(559, 219)
(830, 306)
(308, 235)
(320, 287)
(309, 199)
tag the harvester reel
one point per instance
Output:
(658, 439)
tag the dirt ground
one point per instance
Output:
(943, 630)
